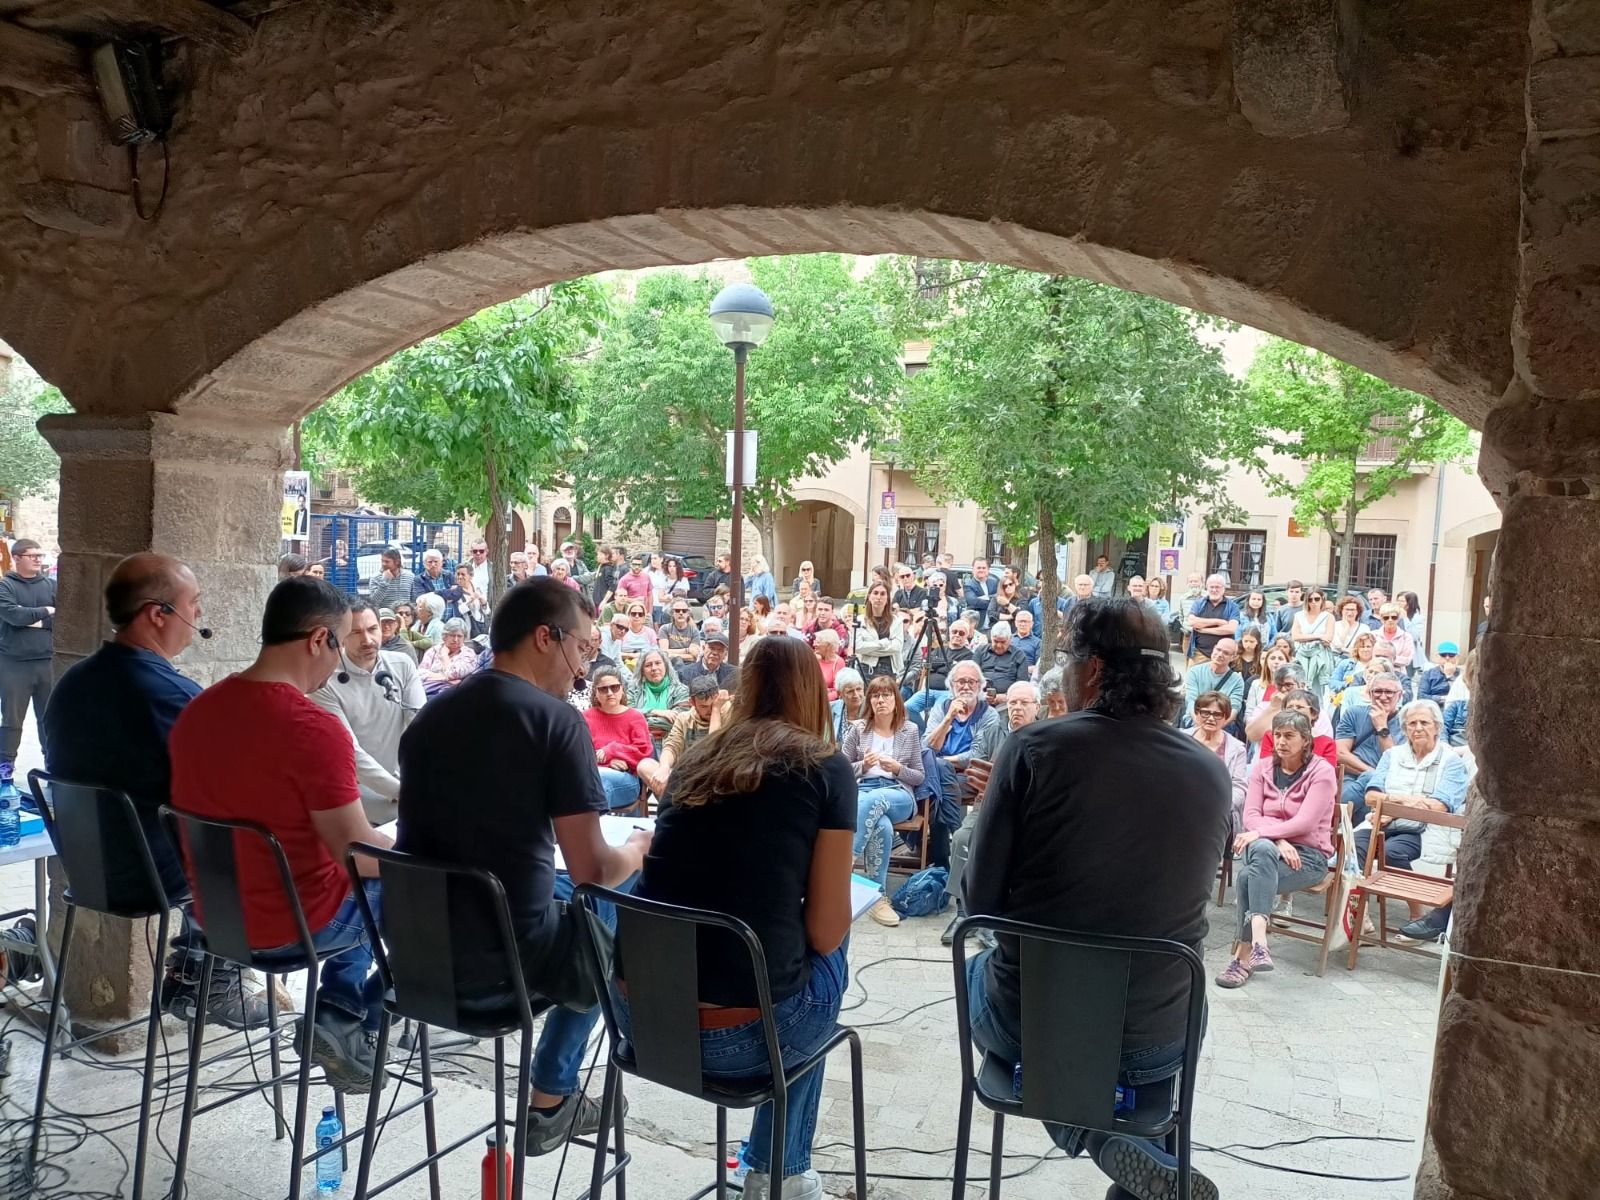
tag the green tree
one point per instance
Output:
(1322, 414)
(469, 421)
(31, 466)
(661, 393)
(1057, 405)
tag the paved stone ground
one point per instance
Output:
(1288, 1057)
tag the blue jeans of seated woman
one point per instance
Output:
(622, 788)
(804, 1021)
(881, 802)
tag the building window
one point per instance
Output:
(996, 549)
(596, 528)
(1384, 446)
(1238, 555)
(917, 537)
(1372, 562)
(561, 530)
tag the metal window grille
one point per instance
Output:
(1371, 563)
(1238, 555)
(917, 537)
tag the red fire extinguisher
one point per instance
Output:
(490, 1156)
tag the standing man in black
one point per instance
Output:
(1107, 820)
(27, 642)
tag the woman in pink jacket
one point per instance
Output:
(1287, 838)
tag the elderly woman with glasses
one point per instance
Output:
(1421, 772)
(1286, 840)
(1212, 711)
(1392, 631)
(448, 663)
(621, 737)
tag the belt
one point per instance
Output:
(718, 1018)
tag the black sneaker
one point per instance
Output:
(1421, 932)
(227, 1004)
(345, 1050)
(578, 1116)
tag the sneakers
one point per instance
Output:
(883, 913)
(805, 1186)
(346, 1051)
(1260, 960)
(226, 1004)
(1148, 1173)
(1420, 932)
(578, 1116)
(1235, 976)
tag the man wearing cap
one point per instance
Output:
(389, 631)
(703, 715)
(575, 565)
(1436, 680)
(713, 662)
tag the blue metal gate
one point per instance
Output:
(352, 545)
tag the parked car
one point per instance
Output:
(695, 567)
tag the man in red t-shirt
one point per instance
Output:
(254, 747)
(635, 585)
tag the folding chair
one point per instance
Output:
(210, 848)
(424, 902)
(1383, 882)
(1074, 1001)
(659, 957)
(1288, 925)
(90, 827)
(920, 824)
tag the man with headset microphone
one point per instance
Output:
(375, 697)
(107, 725)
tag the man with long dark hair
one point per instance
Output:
(1067, 801)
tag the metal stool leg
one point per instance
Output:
(344, 1149)
(50, 1039)
(151, 1033)
(197, 1033)
(858, 1113)
(275, 1056)
(997, 1155)
(622, 1145)
(963, 1142)
(780, 1114)
(519, 1156)
(608, 1109)
(502, 1185)
(297, 1168)
(722, 1153)
(374, 1098)
(430, 1124)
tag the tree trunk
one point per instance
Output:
(495, 533)
(766, 524)
(1049, 591)
(1347, 537)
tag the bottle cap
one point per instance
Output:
(328, 1111)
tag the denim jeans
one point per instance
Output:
(920, 703)
(880, 802)
(349, 983)
(1400, 849)
(622, 788)
(1262, 876)
(804, 1021)
(999, 1033)
(558, 1055)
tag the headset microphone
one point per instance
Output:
(204, 632)
(579, 683)
(344, 668)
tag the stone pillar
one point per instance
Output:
(1517, 1078)
(209, 491)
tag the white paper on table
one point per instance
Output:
(863, 895)
(616, 831)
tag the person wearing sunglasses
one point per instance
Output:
(1311, 631)
(621, 737)
(679, 637)
(1392, 631)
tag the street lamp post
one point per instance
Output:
(741, 315)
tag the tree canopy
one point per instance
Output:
(660, 395)
(1058, 404)
(31, 466)
(470, 420)
(1323, 414)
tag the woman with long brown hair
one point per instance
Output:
(757, 823)
(880, 641)
(886, 751)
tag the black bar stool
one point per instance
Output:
(659, 956)
(90, 827)
(210, 847)
(424, 901)
(1074, 1002)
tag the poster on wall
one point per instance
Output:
(296, 513)
(1169, 562)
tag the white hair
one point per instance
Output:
(433, 603)
(967, 664)
(845, 677)
(1033, 691)
(1435, 713)
(1222, 579)
(829, 635)
(1000, 629)
(432, 554)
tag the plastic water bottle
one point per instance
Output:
(10, 809)
(330, 1158)
(738, 1167)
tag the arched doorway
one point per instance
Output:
(822, 534)
(560, 529)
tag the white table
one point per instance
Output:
(37, 849)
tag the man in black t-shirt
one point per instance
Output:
(535, 787)
(1107, 820)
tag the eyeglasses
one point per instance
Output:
(607, 688)
(680, 612)
(636, 612)
(1209, 713)
(1386, 619)
(1386, 693)
(31, 554)
(480, 550)
(716, 607)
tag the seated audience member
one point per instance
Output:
(936, 686)
(1383, 660)
(383, 693)
(389, 636)
(703, 716)
(1286, 842)
(1065, 800)
(1006, 602)
(770, 788)
(1305, 702)
(1393, 632)
(1350, 673)
(562, 574)
(539, 790)
(255, 748)
(679, 637)
(781, 622)
(656, 691)
(851, 706)
(886, 752)
(714, 661)
(611, 637)
(1364, 735)
(1421, 772)
(1002, 663)
(1258, 721)
(1212, 711)
(826, 619)
(1261, 688)
(1024, 639)
(1457, 704)
(640, 637)
(430, 622)
(1436, 680)
(621, 737)
(1216, 674)
(1051, 694)
(954, 726)
(829, 660)
(448, 663)
(409, 632)
(108, 724)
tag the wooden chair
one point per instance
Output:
(1383, 882)
(918, 823)
(1290, 926)
(1225, 873)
